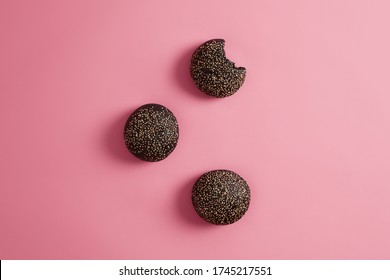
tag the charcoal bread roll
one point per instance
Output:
(213, 73)
(221, 197)
(151, 132)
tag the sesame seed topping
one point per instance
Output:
(221, 197)
(213, 73)
(151, 132)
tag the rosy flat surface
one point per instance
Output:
(309, 130)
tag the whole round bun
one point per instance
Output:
(151, 132)
(221, 197)
(213, 73)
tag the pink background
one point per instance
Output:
(309, 130)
